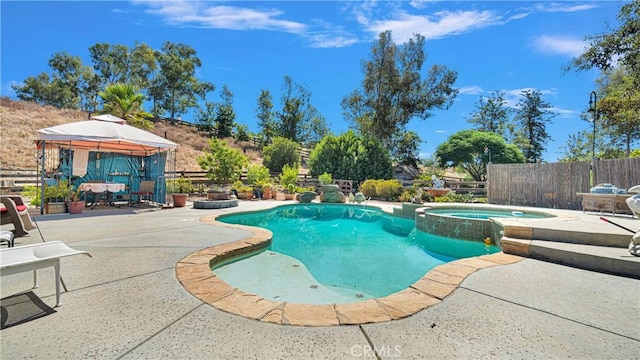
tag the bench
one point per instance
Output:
(20, 259)
(613, 203)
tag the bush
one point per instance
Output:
(257, 174)
(368, 188)
(325, 179)
(281, 152)
(351, 156)
(455, 197)
(289, 175)
(222, 163)
(389, 189)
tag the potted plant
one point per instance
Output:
(290, 192)
(75, 204)
(243, 191)
(266, 191)
(55, 197)
(183, 187)
(217, 193)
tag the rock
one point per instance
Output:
(307, 196)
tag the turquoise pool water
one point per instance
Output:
(484, 214)
(338, 254)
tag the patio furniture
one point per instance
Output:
(102, 190)
(14, 211)
(613, 203)
(20, 259)
(145, 192)
(7, 237)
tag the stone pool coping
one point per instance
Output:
(194, 273)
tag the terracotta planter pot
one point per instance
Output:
(76, 207)
(266, 194)
(179, 200)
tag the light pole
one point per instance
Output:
(593, 108)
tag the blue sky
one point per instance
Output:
(493, 45)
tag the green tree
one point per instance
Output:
(351, 156)
(61, 89)
(393, 90)
(120, 64)
(532, 115)
(472, 150)
(257, 175)
(281, 152)
(206, 116)
(225, 115)
(266, 116)
(577, 148)
(176, 89)
(491, 115)
(406, 151)
(123, 101)
(619, 109)
(222, 163)
(298, 118)
(616, 46)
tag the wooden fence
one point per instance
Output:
(555, 185)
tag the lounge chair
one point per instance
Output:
(19, 259)
(14, 211)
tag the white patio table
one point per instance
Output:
(100, 188)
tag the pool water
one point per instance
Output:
(484, 214)
(338, 254)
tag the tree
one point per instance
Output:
(123, 101)
(281, 152)
(619, 108)
(406, 150)
(618, 46)
(119, 64)
(298, 118)
(491, 115)
(351, 156)
(393, 91)
(222, 163)
(577, 148)
(61, 89)
(472, 150)
(265, 115)
(206, 116)
(532, 116)
(225, 115)
(176, 89)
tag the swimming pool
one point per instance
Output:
(472, 213)
(326, 254)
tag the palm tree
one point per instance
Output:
(123, 101)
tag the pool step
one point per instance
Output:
(605, 259)
(585, 236)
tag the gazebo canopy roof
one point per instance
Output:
(106, 133)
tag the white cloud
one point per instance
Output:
(206, 15)
(471, 90)
(563, 7)
(559, 45)
(442, 131)
(438, 25)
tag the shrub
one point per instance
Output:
(289, 175)
(222, 163)
(368, 188)
(389, 189)
(281, 152)
(325, 179)
(455, 197)
(257, 174)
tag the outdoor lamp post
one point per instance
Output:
(593, 108)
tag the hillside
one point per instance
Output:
(19, 120)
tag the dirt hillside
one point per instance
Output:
(19, 120)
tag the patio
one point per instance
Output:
(126, 303)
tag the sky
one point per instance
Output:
(507, 46)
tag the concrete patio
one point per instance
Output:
(126, 303)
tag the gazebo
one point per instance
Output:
(104, 148)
